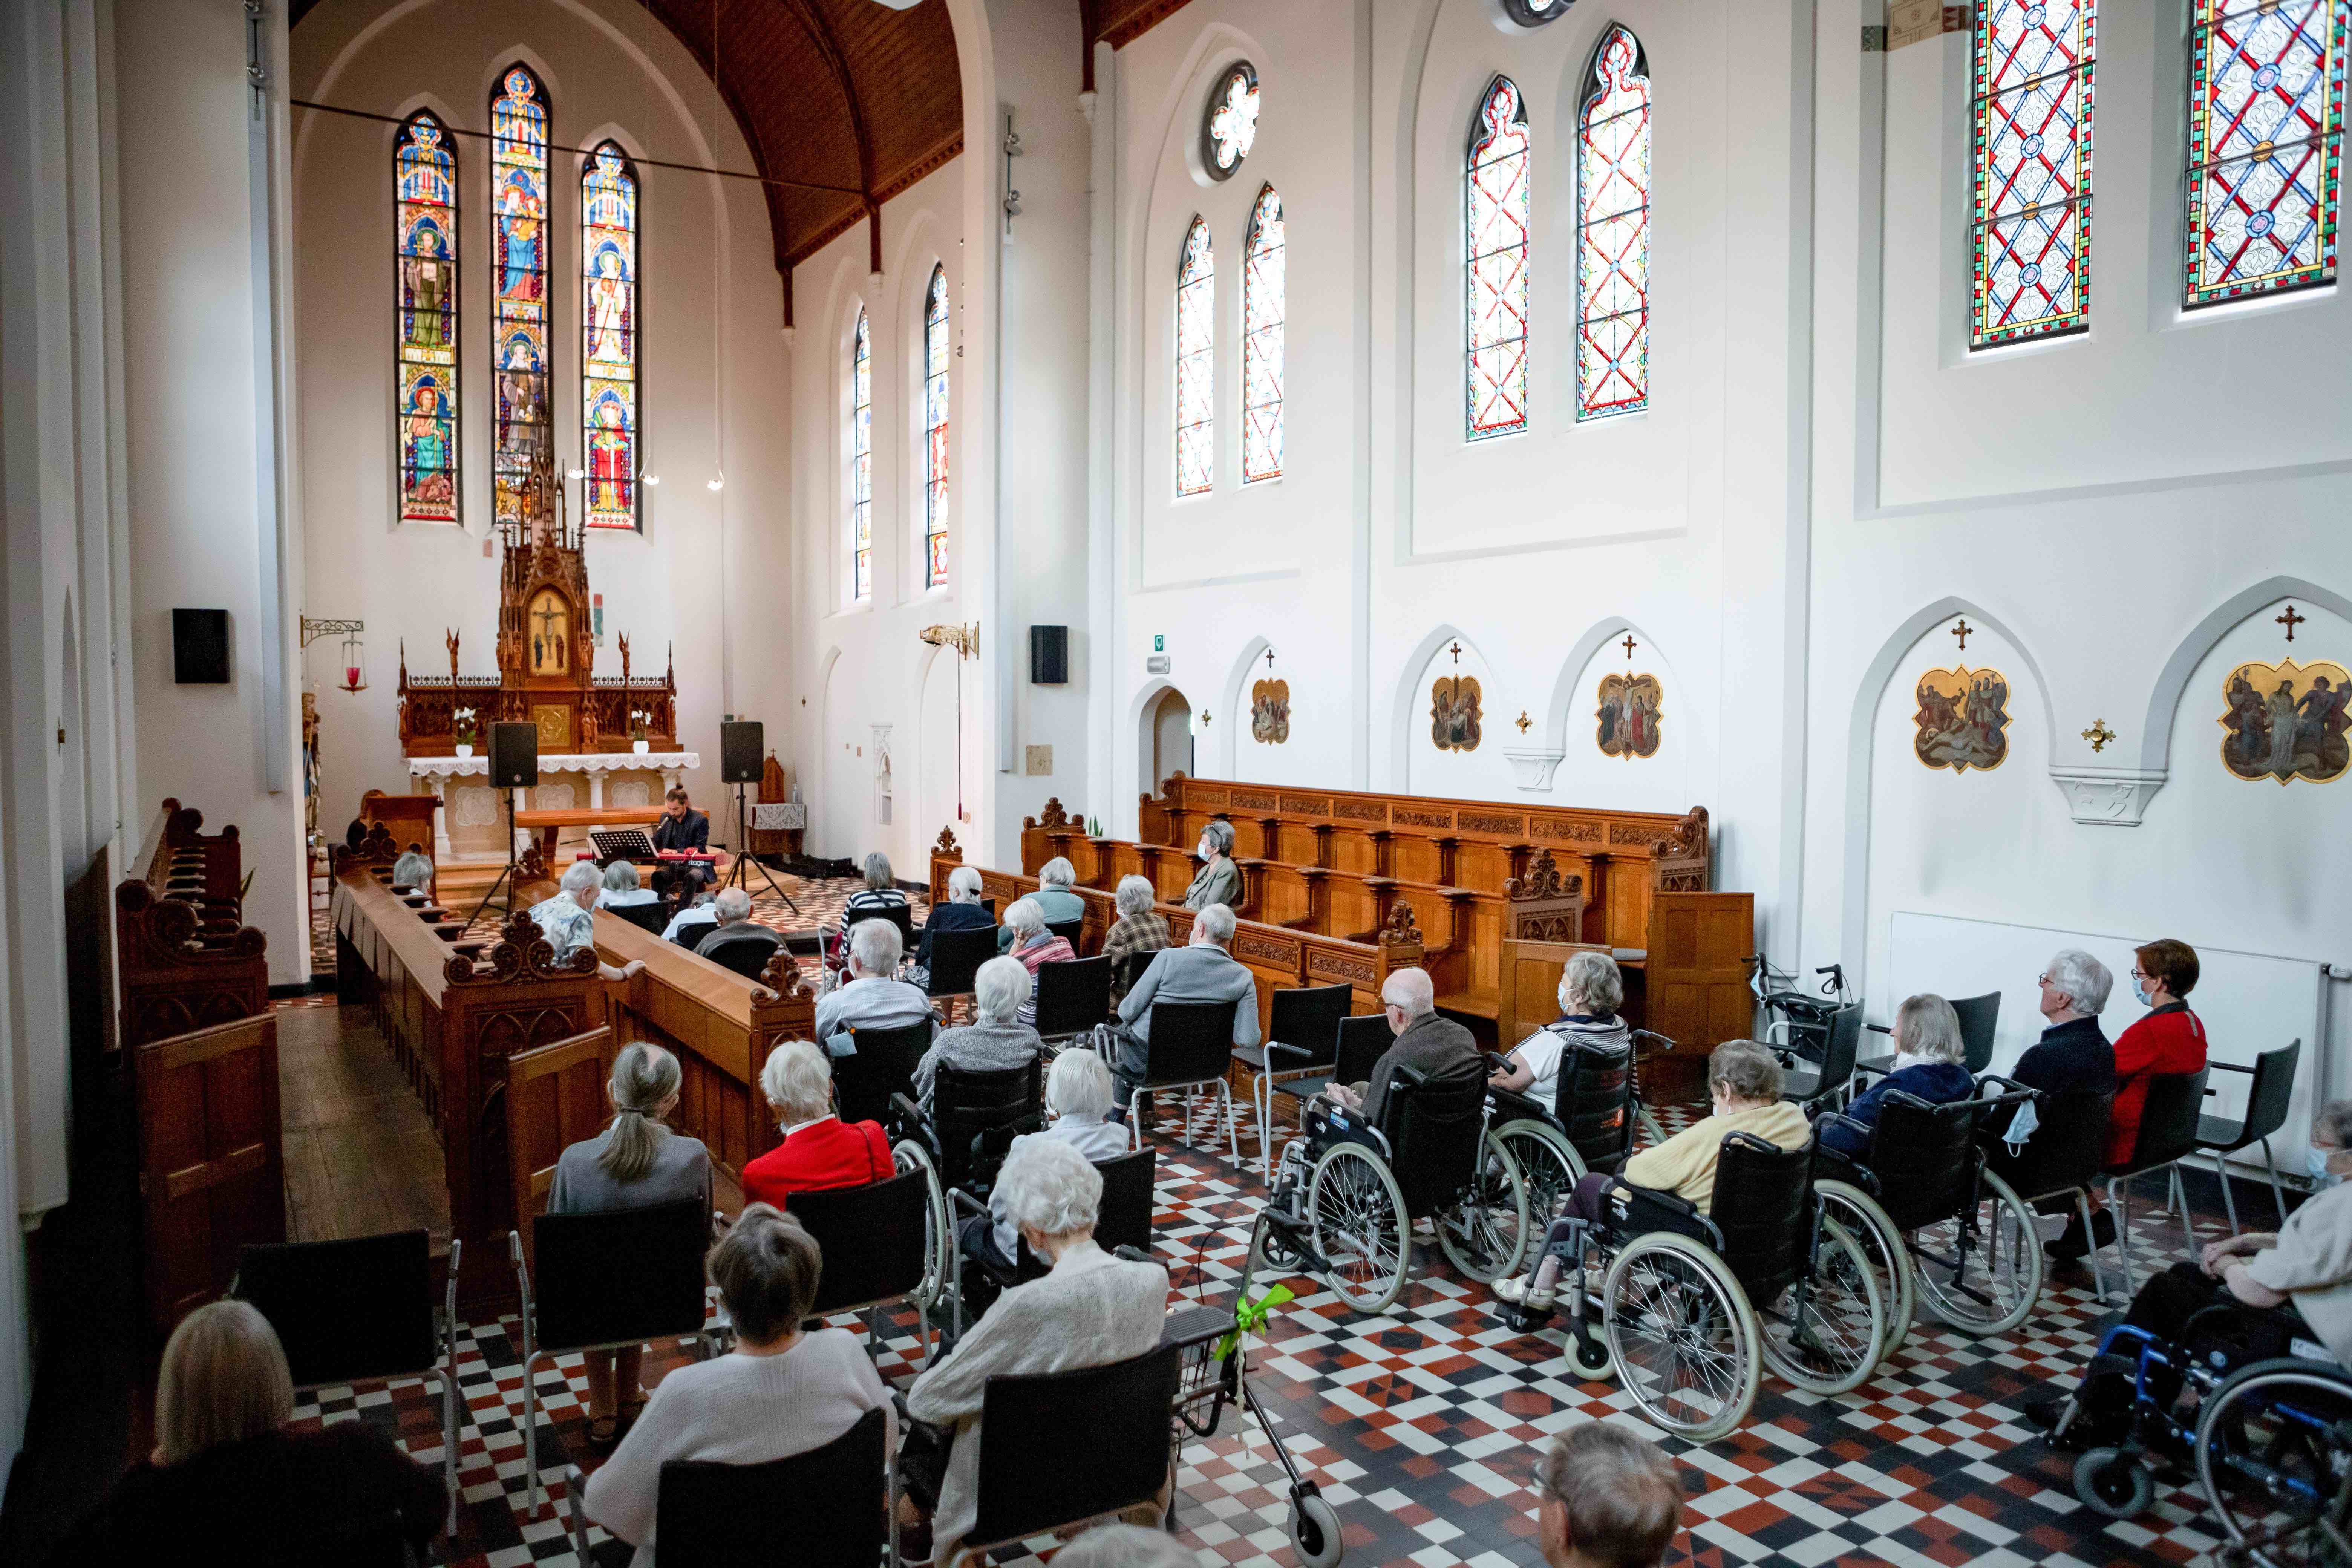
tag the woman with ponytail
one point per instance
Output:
(635, 1163)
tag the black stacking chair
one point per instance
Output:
(973, 1119)
(2169, 1122)
(2062, 1159)
(956, 958)
(712, 1515)
(1191, 1045)
(1303, 1042)
(1029, 1488)
(1068, 929)
(1124, 1220)
(746, 953)
(881, 1067)
(1364, 1038)
(1837, 1064)
(653, 917)
(2266, 1105)
(899, 915)
(1130, 972)
(606, 1281)
(361, 1311)
(1073, 996)
(877, 1247)
(1977, 1016)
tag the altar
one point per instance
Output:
(468, 824)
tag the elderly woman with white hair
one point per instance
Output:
(1218, 880)
(995, 1039)
(1090, 1309)
(1054, 901)
(622, 889)
(412, 870)
(1139, 930)
(881, 892)
(227, 1476)
(1930, 1064)
(962, 911)
(567, 923)
(819, 1151)
(1034, 945)
(1591, 991)
(1078, 1101)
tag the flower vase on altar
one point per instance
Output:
(465, 748)
(641, 747)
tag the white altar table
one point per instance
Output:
(467, 813)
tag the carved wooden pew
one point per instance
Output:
(184, 957)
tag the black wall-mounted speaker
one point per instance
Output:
(742, 746)
(1049, 656)
(514, 755)
(200, 647)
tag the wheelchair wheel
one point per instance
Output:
(1833, 1342)
(1648, 1126)
(1871, 1227)
(939, 1227)
(1683, 1336)
(1981, 1271)
(1315, 1531)
(2267, 1461)
(1485, 1231)
(1548, 1163)
(1360, 1227)
(1270, 1254)
(2114, 1483)
(1598, 1367)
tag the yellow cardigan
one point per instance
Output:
(1685, 1163)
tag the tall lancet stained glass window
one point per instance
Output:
(2266, 144)
(1497, 272)
(1262, 312)
(611, 414)
(521, 364)
(935, 430)
(1612, 230)
(2030, 236)
(1196, 363)
(424, 319)
(861, 460)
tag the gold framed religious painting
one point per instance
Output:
(1629, 716)
(1270, 712)
(2286, 722)
(1454, 713)
(1963, 719)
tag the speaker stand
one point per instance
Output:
(506, 878)
(736, 876)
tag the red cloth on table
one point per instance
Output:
(818, 1157)
(2170, 1040)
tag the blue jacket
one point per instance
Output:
(1937, 1083)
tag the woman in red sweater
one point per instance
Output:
(820, 1152)
(2170, 1040)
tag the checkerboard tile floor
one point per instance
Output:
(1420, 1426)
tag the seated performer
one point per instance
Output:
(680, 827)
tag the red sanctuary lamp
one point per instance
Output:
(354, 649)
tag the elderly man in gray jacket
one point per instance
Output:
(1202, 971)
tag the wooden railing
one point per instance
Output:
(184, 956)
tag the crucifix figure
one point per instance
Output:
(1961, 631)
(1269, 659)
(1629, 645)
(2290, 621)
(451, 639)
(1456, 651)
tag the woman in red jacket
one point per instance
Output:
(2170, 1040)
(820, 1150)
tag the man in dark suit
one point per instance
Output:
(680, 827)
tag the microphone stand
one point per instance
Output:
(736, 876)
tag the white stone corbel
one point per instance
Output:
(2107, 797)
(1531, 767)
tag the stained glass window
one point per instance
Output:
(1497, 272)
(861, 458)
(1229, 121)
(1196, 361)
(2029, 239)
(424, 200)
(1612, 230)
(1262, 310)
(2266, 144)
(935, 429)
(519, 364)
(609, 346)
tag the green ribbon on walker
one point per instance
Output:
(1251, 1317)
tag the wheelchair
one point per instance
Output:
(1695, 1306)
(1349, 1192)
(960, 1144)
(1596, 1110)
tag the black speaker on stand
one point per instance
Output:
(742, 745)
(514, 764)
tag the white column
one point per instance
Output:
(440, 816)
(595, 789)
(671, 779)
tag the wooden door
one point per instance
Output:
(212, 1169)
(1528, 995)
(1696, 971)
(555, 1098)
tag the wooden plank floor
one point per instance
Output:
(360, 1156)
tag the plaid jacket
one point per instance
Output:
(1146, 932)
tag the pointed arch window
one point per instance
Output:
(861, 460)
(611, 395)
(1612, 230)
(425, 284)
(935, 429)
(1496, 210)
(2030, 240)
(1261, 314)
(520, 367)
(1196, 361)
(2265, 145)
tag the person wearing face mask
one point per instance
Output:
(2294, 1284)
(1930, 1064)
(1220, 880)
(2170, 1040)
(2073, 1056)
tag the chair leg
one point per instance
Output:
(2177, 1194)
(2278, 1194)
(2229, 1204)
(2119, 1209)
(2099, 1274)
(1232, 1127)
(530, 1433)
(1262, 1102)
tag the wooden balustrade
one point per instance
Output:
(183, 956)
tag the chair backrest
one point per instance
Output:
(1436, 1132)
(650, 916)
(1309, 1017)
(956, 958)
(901, 915)
(1132, 968)
(872, 1238)
(1977, 1016)
(744, 952)
(1068, 930)
(689, 935)
(1129, 1184)
(830, 1501)
(2168, 1117)
(1924, 1156)
(2069, 1145)
(1363, 1037)
(2273, 1087)
(1190, 1042)
(1027, 1484)
(620, 1276)
(1762, 1207)
(976, 1114)
(1593, 1100)
(1072, 995)
(345, 1310)
(1844, 1045)
(883, 1064)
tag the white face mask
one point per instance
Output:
(2139, 990)
(2314, 1164)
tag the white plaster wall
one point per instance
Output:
(708, 575)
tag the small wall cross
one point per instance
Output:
(2290, 621)
(1629, 645)
(1269, 659)
(1522, 721)
(1963, 631)
(2098, 734)
(1456, 651)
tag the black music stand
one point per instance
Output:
(735, 877)
(631, 843)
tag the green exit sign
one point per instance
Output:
(1159, 642)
